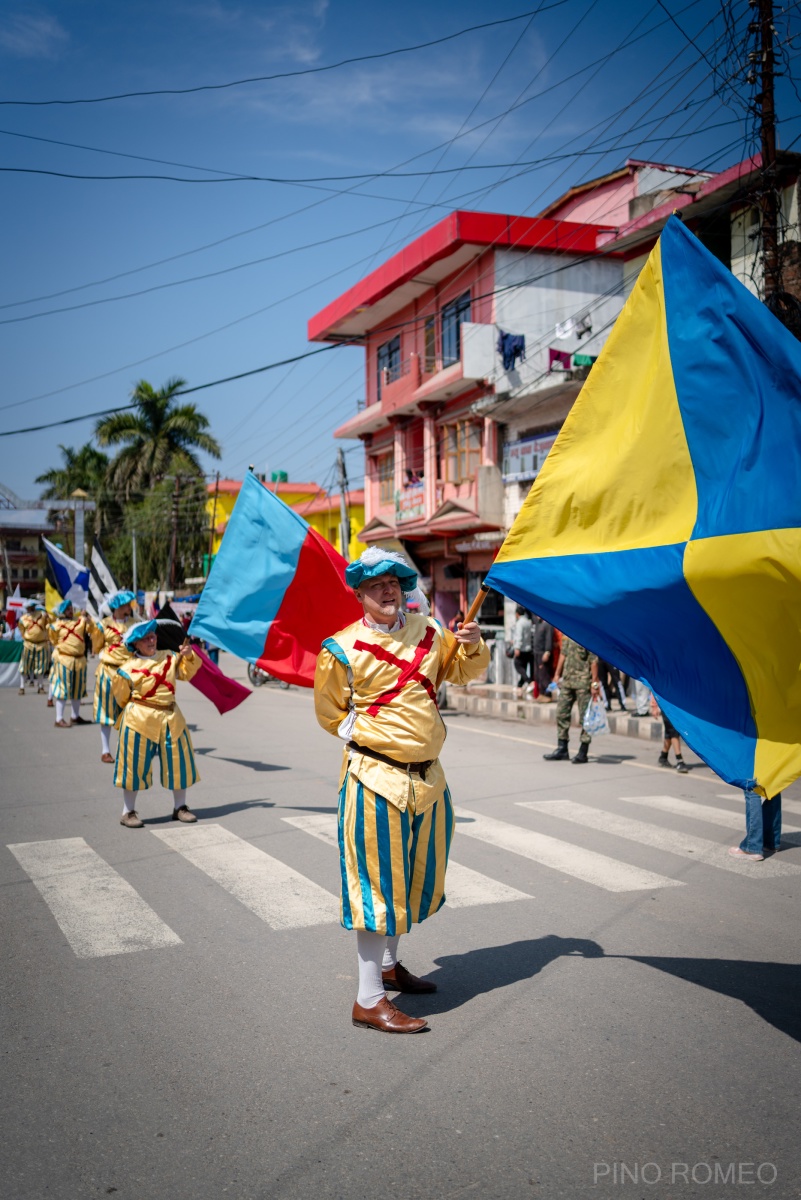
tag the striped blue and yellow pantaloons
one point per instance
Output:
(135, 753)
(392, 863)
(69, 684)
(35, 660)
(105, 707)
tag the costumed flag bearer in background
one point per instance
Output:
(68, 636)
(112, 656)
(375, 688)
(151, 723)
(35, 661)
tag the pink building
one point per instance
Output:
(430, 319)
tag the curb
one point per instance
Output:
(480, 702)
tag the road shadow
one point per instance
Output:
(772, 990)
(462, 977)
(613, 758)
(252, 763)
(210, 814)
(309, 808)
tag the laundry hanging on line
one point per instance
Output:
(511, 346)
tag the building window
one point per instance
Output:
(13, 544)
(385, 471)
(453, 315)
(389, 362)
(430, 346)
(462, 451)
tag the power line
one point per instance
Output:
(345, 62)
(348, 191)
(158, 287)
(200, 387)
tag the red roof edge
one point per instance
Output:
(458, 229)
(731, 175)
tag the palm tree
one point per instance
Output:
(84, 468)
(157, 435)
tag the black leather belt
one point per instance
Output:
(419, 768)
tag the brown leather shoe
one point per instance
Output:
(81, 721)
(398, 979)
(386, 1018)
(131, 821)
(61, 724)
(107, 758)
(183, 814)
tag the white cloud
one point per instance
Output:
(27, 36)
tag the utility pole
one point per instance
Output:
(133, 559)
(770, 194)
(213, 519)
(344, 518)
(174, 537)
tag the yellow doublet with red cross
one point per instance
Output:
(379, 690)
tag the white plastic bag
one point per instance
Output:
(595, 722)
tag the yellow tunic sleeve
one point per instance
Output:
(187, 665)
(469, 662)
(98, 636)
(121, 688)
(331, 692)
(52, 633)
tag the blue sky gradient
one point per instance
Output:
(662, 97)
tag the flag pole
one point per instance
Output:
(472, 613)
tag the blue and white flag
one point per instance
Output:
(72, 579)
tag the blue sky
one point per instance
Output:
(655, 98)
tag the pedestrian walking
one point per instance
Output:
(522, 647)
(763, 827)
(113, 654)
(641, 694)
(577, 677)
(672, 739)
(609, 677)
(152, 723)
(542, 651)
(68, 635)
(375, 688)
(35, 661)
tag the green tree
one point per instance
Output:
(158, 436)
(84, 468)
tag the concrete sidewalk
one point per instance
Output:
(502, 702)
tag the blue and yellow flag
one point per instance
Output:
(663, 531)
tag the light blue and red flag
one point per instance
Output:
(664, 530)
(276, 590)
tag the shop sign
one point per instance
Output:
(410, 503)
(523, 459)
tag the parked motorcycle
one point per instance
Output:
(259, 677)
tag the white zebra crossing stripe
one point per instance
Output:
(97, 910)
(793, 806)
(582, 864)
(464, 887)
(685, 845)
(699, 812)
(276, 893)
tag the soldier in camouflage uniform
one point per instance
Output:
(577, 676)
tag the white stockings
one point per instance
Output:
(376, 951)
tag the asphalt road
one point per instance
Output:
(619, 1005)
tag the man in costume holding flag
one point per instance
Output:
(35, 661)
(113, 654)
(68, 636)
(151, 723)
(375, 688)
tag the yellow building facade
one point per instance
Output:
(308, 499)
